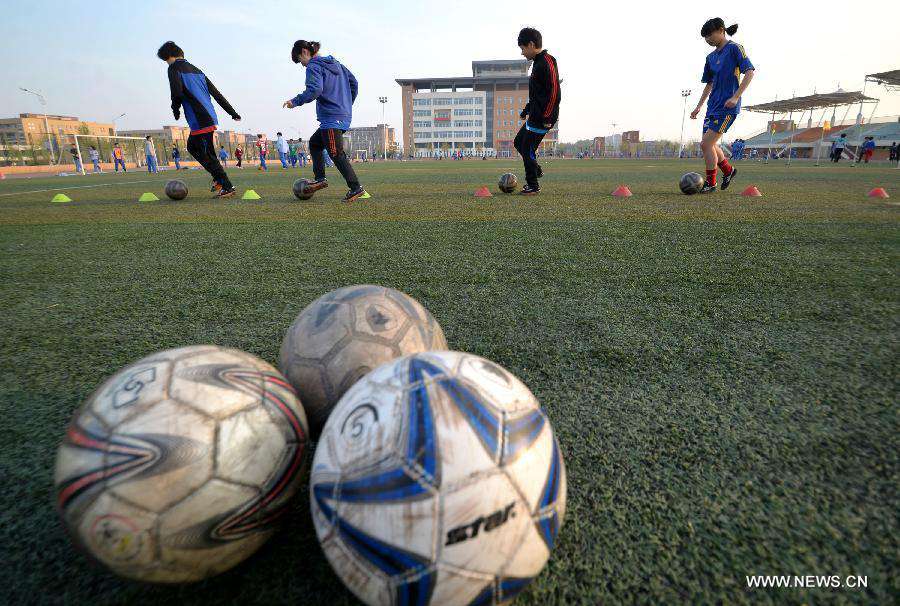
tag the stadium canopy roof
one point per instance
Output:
(798, 104)
(890, 79)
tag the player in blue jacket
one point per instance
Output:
(724, 87)
(193, 91)
(334, 89)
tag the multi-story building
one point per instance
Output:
(478, 113)
(371, 139)
(31, 129)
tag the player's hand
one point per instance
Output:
(288, 104)
(732, 102)
(694, 113)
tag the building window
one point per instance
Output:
(421, 113)
(478, 101)
(422, 124)
(477, 122)
(421, 101)
(478, 112)
(443, 101)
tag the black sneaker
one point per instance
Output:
(226, 193)
(707, 189)
(530, 190)
(726, 179)
(354, 193)
(315, 185)
(540, 174)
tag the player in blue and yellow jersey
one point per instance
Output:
(724, 88)
(193, 91)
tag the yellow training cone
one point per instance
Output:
(61, 198)
(251, 195)
(148, 197)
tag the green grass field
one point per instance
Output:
(722, 372)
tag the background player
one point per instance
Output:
(724, 88)
(334, 88)
(192, 90)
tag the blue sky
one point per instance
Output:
(624, 64)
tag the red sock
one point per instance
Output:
(726, 167)
(711, 177)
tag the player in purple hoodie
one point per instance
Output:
(334, 90)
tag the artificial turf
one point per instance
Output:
(722, 372)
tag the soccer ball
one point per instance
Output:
(177, 467)
(344, 334)
(176, 190)
(438, 480)
(691, 183)
(299, 189)
(508, 183)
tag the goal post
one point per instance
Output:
(132, 147)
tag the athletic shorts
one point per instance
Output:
(719, 124)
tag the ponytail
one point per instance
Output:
(717, 24)
(299, 45)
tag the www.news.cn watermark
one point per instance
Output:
(809, 581)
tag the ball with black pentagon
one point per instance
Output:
(508, 183)
(300, 191)
(691, 183)
(346, 333)
(176, 190)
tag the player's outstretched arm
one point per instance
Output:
(706, 91)
(176, 89)
(313, 87)
(221, 100)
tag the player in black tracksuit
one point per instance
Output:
(542, 110)
(193, 91)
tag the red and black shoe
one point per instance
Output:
(726, 179)
(354, 193)
(530, 190)
(315, 185)
(226, 193)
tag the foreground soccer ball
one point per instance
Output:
(344, 334)
(438, 480)
(299, 189)
(176, 190)
(691, 183)
(177, 467)
(508, 183)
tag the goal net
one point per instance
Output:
(132, 150)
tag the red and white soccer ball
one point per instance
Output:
(438, 480)
(178, 467)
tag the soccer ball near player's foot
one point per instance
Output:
(508, 183)
(346, 333)
(300, 190)
(691, 183)
(178, 466)
(176, 190)
(438, 480)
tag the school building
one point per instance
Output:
(476, 114)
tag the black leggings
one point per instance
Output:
(332, 140)
(527, 143)
(204, 152)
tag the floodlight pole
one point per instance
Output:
(684, 93)
(115, 131)
(46, 120)
(383, 101)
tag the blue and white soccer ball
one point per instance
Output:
(438, 480)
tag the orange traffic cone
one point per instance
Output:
(2, 176)
(622, 192)
(482, 192)
(878, 192)
(751, 191)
